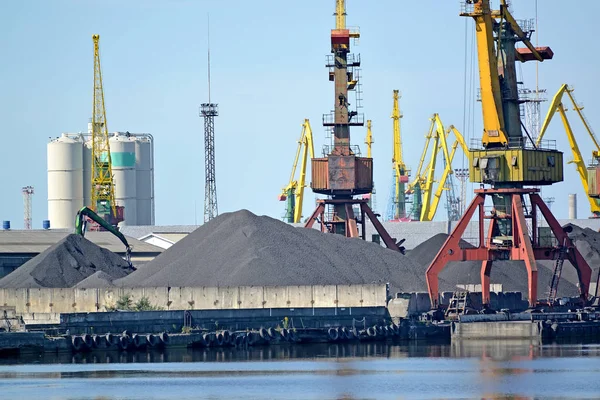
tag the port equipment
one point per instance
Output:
(341, 174)
(400, 174)
(587, 175)
(509, 162)
(103, 191)
(293, 193)
(85, 215)
(426, 196)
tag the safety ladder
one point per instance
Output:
(458, 304)
(560, 260)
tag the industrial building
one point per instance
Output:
(69, 176)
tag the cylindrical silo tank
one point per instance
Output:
(122, 153)
(87, 173)
(144, 163)
(65, 181)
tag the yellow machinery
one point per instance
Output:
(426, 198)
(400, 171)
(509, 162)
(585, 174)
(103, 194)
(369, 139)
(293, 193)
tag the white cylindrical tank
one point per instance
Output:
(87, 173)
(65, 181)
(573, 206)
(122, 153)
(144, 163)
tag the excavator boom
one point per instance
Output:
(80, 223)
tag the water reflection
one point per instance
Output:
(469, 369)
(482, 349)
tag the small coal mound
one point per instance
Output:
(511, 274)
(587, 241)
(242, 249)
(65, 264)
(98, 280)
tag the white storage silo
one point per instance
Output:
(65, 181)
(87, 173)
(144, 157)
(122, 153)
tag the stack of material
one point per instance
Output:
(65, 264)
(242, 249)
(587, 242)
(511, 274)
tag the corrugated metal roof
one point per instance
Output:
(141, 231)
(36, 241)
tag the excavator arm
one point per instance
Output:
(89, 213)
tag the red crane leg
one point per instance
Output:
(486, 269)
(450, 251)
(387, 239)
(319, 210)
(584, 272)
(351, 227)
(525, 249)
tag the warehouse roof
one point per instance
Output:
(36, 241)
(141, 231)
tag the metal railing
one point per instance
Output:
(518, 143)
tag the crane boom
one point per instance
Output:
(340, 14)
(103, 194)
(558, 106)
(399, 167)
(293, 193)
(369, 139)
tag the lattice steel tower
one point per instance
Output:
(27, 194)
(209, 111)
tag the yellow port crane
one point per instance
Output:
(103, 193)
(293, 193)
(400, 171)
(426, 199)
(558, 106)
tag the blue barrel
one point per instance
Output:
(46, 224)
(6, 225)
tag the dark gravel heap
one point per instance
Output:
(65, 264)
(99, 279)
(511, 274)
(587, 242)
(242, 249)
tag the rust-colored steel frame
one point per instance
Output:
(523, 247)
(350, 222)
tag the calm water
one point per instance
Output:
(361, 371)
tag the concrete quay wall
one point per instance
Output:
(212, 320)
(54, 301)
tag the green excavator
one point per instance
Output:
(81, 222)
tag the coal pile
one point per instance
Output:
(587, 242)
(511, 274)
(242, 249)
(98, 279)
(65, 264)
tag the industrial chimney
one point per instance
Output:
(573, 206)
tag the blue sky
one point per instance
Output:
(268, 75)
